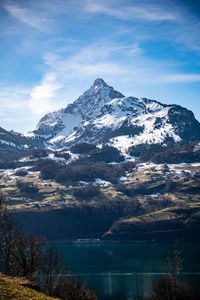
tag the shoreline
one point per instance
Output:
(99, 242)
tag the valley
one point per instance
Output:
(107, 166)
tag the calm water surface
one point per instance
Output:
(115, 270)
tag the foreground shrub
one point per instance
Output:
(167, 288)
(73, 291)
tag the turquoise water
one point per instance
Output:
(115, 270)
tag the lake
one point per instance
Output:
(116, 269)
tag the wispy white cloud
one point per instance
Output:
(98, 59)
(8, 93)
(139, 10)
(27, 15)
(182, 78)
(41, 95)
(101, 60)
(14, 106)
(186, 26)
(24, 106)
(42, 14)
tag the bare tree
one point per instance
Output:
(9, 240)
(174, 259)
(53, 271)
(28, 255)
(1, 202)
(168, 287)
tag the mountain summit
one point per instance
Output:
(104, 115)
(93, 99)
(99, 82)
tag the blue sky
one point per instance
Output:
(53, 50)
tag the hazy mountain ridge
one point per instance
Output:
(13, 143)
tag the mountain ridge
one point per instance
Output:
(104, 116)
(101, 112)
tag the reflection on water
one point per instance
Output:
(114, 270)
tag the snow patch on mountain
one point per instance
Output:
(109, 120)
(122, 142)
(197, 147)
(151, 134)
(69, 121)
(51, 119)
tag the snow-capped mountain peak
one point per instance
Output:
(104, 115)
(92, 99)
(98, 83)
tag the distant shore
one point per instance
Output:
(92, 241)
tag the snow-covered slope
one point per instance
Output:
(103, 115)
(57, 125)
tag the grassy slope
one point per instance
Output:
(164, 224)
(13, 288)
